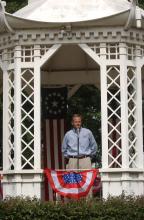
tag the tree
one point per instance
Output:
(141, 3)
(14, 5)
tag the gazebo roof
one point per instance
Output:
(71, 11)
(56, 13)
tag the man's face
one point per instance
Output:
(76, 122)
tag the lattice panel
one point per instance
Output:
(27, 121)
(44, 49)
(114, 117)
(10, 55)
(131, 51)
(142, 51)
(27, 54)
(11, 119)
(95, 48)
(112, 51)
(132, 120)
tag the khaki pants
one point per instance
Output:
(84, 163)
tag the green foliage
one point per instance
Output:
(14, 5)
(124, 208)
(141, 3)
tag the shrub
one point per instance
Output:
(119, 208)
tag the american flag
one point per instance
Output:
(71, 184)
(54, 109)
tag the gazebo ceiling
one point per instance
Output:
(60, 11)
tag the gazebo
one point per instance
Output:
(72, 43)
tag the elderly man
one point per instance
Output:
(79, 145)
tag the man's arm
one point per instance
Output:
(64, 146)
(93, 145)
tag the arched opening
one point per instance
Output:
(73, 69)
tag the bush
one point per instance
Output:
(120, 208)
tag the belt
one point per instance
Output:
(80, 157)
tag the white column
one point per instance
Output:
(17, 110)
(124, 105)
(17, 118)
(104, 121)
(140, 157)
(37, 108)
(5, 113)
(104, 110)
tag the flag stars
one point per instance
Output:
(72, 178)
(55, 104)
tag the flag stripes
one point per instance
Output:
(71, 184)
(54, 130)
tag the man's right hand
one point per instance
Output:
(66, 160)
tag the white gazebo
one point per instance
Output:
(61, 42)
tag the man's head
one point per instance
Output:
(76, 121)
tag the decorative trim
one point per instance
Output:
(131, 15)
(91, 53)
(83, 35)
(49, 54)
(4, 26)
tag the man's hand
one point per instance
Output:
(93, 158)
(66, 160)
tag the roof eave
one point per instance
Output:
(4, 25)
(38, 24)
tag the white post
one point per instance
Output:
(5, 113)
(104, 111)
(17, 118)
(140, 158)
(104, 120)
(124, 104)
(17, 110)
(37, 108)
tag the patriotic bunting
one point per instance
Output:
(70, 183)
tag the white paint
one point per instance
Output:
(124, 107)
(49, 54)
(139, 128)
(37, 108)
(104, 110)
(91, 53)
(71, 11)
(5, 113)
(17, 109)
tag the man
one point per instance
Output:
(79, 145)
